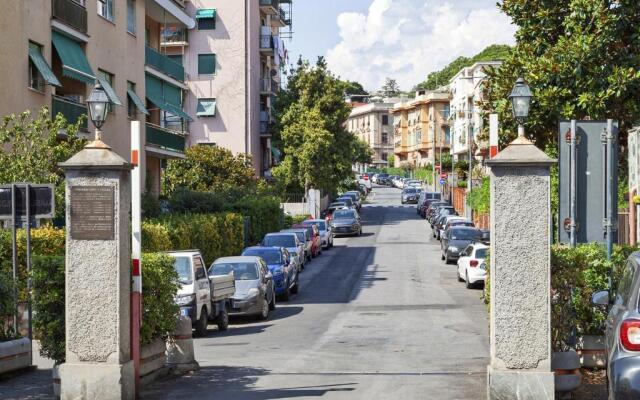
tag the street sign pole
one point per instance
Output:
(14, 222)
(572, 186)
(28, 234)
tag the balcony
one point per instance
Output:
(264, 128)
(71, 110)
(265, 86)
(279, 19)
(163, 64)
(266, 43)
(71, 13)
(165, 138)
(269, 6)
(174, 35)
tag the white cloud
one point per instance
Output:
(408, 39)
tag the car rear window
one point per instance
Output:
(269, 256)
(481, 253)
(464, 234)
(343, 214)
(241, 271)
(280, 241)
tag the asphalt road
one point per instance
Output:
(378, 317)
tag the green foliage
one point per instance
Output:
(425, 174)
(310, 118)
(290, 220)
(447, 162)
(189, 201)
(353, 88)
(390, 88)
(362, 152)
(215, 235)
(580, 59)
(264, 213)
(208, 168)
(391, 159)
(461, 184)
(479, 197)
(461, 168)
(437, 79)
(48, 279)
(7, 306)
(159, 287)
(32, 150)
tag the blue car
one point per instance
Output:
(281, 265)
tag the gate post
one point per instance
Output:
(98, 276)
(520, 325)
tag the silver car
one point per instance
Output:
(346, 222)
(289, 241)
(255, 291)
(326, 235)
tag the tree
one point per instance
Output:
(436, 79)
(354, 88)
(391, 159)
(33, 147)
(580, 58)
(390, 88)
(310, 117)
(362, 152)
(208, 168)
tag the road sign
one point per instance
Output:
(41, 198)
(443, 181)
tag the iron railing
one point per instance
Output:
(163, 64)
(72, 111)
(71, 13)
(165, 138)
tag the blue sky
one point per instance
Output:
(368, 40)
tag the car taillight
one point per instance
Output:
(630, 334)
(473, 263)
(366, 178)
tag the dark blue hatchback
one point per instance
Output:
(282, 267)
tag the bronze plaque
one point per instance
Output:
(92, 212)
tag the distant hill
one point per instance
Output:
(495, 52)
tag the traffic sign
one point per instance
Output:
(443, 181)
(443, 176)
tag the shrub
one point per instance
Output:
(48, 277)
(264, 213)
(290, 220)
(479, 197)
(7, 307)
(159, 288)
(188, 201)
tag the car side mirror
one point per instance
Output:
(600, 298)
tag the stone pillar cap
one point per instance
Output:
(96, 157)
(521, 152)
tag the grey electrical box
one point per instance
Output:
(590, 181)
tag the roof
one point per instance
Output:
(237, 259)
(263, 248)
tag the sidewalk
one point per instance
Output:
(36, 384)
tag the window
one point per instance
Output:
(105, 9)
(110, 79)
(131, 16)
(131, 106)
(206, 108)
(206, 19)
(385, 156)
(385, 138)
(385, 120)
(206, 64)
(447, 135)
(36, 80)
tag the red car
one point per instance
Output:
(316, 240)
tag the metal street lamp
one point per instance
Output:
(98, 103)
(521, 102)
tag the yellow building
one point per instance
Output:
(421, 129)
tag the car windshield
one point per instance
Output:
(241, 271)
(481, 253)
(269, 256)
(182, 266)
(343, 214)
(300, 236)
(447, 211)
(464, 234)
(410, 191)
(347, 201)
(336, 205)
(280, 240)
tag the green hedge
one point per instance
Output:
(264, 213)
(159, 288)
(7, 307)
(478, 198)
(215, 235)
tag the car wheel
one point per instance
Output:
(468, 284)
(446, 260)
(360, 232)
(272, 305)
(222, 320)
(264, 313)
(201, 324)
(441, 256)
(296, 288)
(286, 296)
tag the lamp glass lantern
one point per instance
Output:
(98, 103)
(521, 100)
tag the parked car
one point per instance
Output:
(472, 267)
(413, 183)
(424, 200)
(455, 220)
(314, 234)
(326, 235)
(374, 178)
(409, 195)
(290, 242)
(440, 212)
(363, 179)
(199, 298)
(304, 236)
(255, 291)
(456, 239)
(328, 213)
(431, 209)
(346, 222)
(355, 197)
(281, 265)
(622, 332)
(383, 179)
(347, 200)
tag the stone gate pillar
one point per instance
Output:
(98, 276)
(520, 274)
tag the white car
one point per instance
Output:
(472, 267)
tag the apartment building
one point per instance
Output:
(56, 50)
(421, 129)
(371, 123)
(466, 121)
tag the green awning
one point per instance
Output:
(111, 94)
(206, 13)
(206, 108)
(172, 94)
(170, 108)
(137, 101)
(74, 62)
(43, 67)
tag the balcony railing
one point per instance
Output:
(165, 138)
(264, 127)
(275, 86)
(266, 42)
(71, 13)
(265, 85)
(270, 6)
(163, 64)
(72, 111)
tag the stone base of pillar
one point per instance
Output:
(519, 385)
(97, 381)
